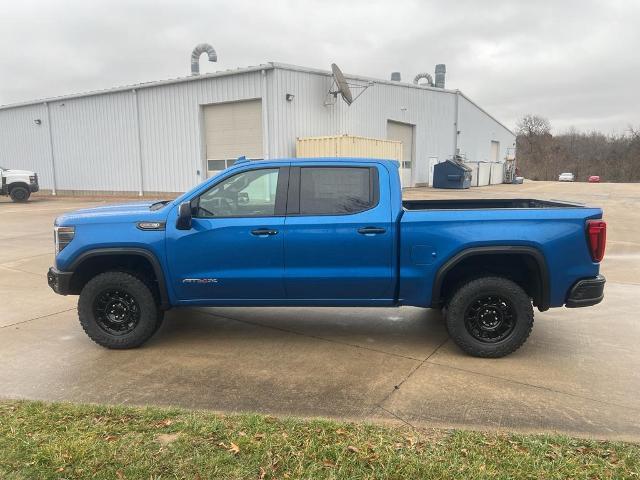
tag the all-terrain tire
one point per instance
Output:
(137, 294)
(462, 324)
(20, 194)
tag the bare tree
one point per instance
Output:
(533, 126)
(541, 156)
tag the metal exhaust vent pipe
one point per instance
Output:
(441, 70)
(195, 56)
(424, 75)
(395, 76)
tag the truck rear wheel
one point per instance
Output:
(118, 310)
(490, 317)
(20, 194)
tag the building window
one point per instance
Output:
(218, 165)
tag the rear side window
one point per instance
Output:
(336, 190)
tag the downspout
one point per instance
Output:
(455, 126)
(265, 117)
(51, 154)
(139, 144)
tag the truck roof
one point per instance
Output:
(296, 161)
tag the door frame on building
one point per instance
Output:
(203, 164)
(413, 146)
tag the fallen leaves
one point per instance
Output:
(164, 423)
(353, 449)
(231, 448)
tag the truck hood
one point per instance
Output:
(112, 214)
(17, 172)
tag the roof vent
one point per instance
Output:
(441, 70)
(395, 76)
(426, 76)
(195, 56)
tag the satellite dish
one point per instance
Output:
(341, 82)
(342, 87)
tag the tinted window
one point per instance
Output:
(247, 194)
(339, 190)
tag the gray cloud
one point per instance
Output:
(572, 61)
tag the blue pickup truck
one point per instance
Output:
(328, 232)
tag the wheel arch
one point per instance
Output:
(119, 253)
(12, 185)
(476, 254)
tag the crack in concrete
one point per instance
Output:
(36, 318)
(397, 387)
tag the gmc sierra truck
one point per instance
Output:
(18, 184)
(328, 232)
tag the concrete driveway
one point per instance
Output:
(578, 373)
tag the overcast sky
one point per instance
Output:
(575, 62)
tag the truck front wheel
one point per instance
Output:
(490, 317)
(118, 310)
(20, 194)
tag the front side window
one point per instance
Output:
(246, 194)
(335, 190)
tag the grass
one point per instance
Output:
(64, 441)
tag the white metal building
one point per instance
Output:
(167, 136)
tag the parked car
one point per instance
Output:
(566, 177)
(327, 232)
(18, 184)
(594, 179)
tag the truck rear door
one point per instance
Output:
(339, 236)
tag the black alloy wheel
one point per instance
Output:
(490, 319)
(116, 312)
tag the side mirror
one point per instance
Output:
(184, 216)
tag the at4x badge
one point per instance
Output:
(199, 281)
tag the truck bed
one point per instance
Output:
(485, 203)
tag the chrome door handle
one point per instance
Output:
(262, 232)
(371, 230)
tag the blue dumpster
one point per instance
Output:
(452, 173)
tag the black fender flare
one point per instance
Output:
(132, 251)
(533, 252)
(12, 185)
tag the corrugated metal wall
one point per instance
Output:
(171, 133)
(431, 111)
(24, 144)
(477, 130)
(94, 140)
(98, 146)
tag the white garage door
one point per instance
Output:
(232, 130)
(403, 132)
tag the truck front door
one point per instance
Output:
(234, 250)
(339, 234)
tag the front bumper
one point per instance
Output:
(586, 292)
(59, 281)
(34, 187)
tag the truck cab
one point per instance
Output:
(328, 232)
(18, 184)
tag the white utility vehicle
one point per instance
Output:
(18, 184)
(566, 177)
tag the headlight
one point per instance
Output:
(33, 178)
(62, 236)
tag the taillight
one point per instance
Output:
(597, 236)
